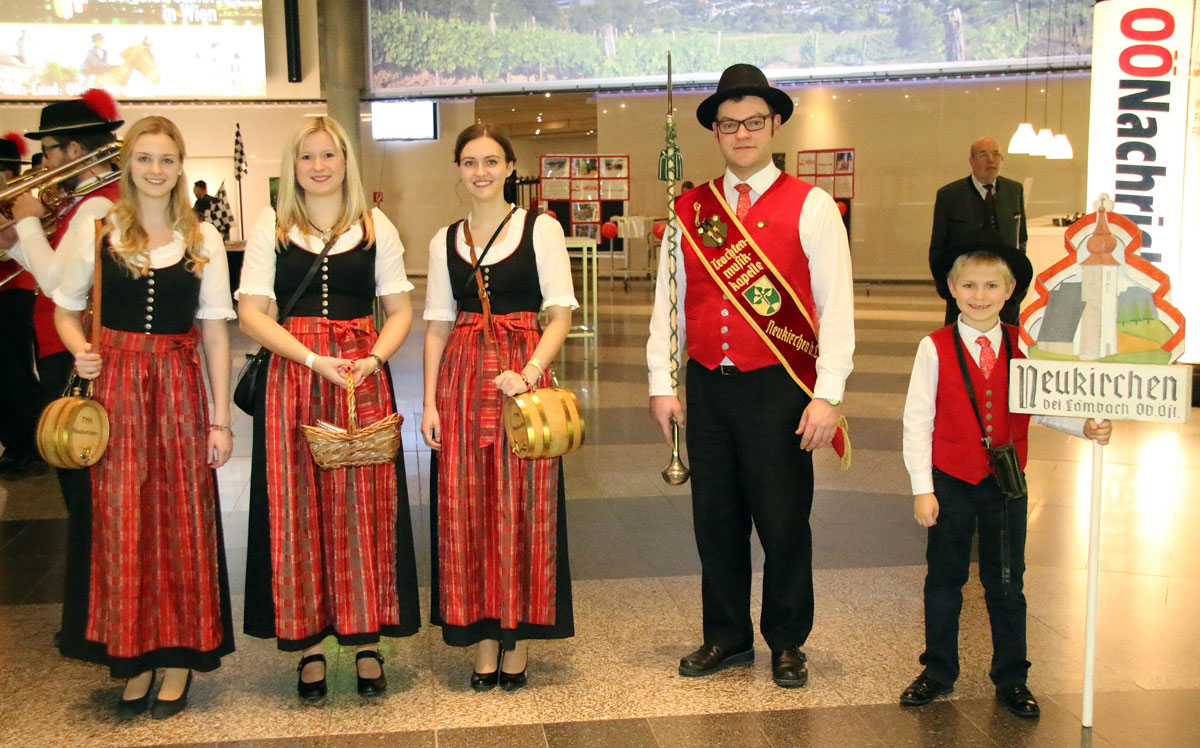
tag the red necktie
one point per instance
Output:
(987, 357)
(743, 206)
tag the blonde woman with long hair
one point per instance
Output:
(330, 553)
(147, 584)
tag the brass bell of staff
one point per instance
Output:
(676, 473)
(670, 166)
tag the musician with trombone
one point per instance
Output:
(765, 298)
(19, 398)
(76, 185)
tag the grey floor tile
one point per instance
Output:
(938, 725)
(499, 736)
(828, 726)
(617, 733)
(714, 730)
(1133, 719)
(1056, 728)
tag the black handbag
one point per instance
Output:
(253, 374)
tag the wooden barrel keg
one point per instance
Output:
(72, 432)
(543, 423)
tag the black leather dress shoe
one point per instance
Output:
(130, 708)
(163, 709)
(315, 689)
(789, 667)
(712, 657)
(513, 681)
(1019, 701)
(923, 690)
(371, 686)
(486, 681)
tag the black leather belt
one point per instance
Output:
(726, 370)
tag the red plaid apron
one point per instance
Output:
(497, 514)
(333, 543)
(154, 575)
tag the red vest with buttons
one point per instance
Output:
(48, 342)
(715, 329)
(957, 449)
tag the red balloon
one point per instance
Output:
(609, 230)
(842, 207)
(552, 214)
(659, 229)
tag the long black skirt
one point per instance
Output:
(489, 628)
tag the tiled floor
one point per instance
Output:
(637, 603)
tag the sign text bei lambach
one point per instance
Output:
(1127, 392)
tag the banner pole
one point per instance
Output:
(1093, 586)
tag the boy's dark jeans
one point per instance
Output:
(962, 507)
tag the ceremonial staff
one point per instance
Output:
(670, 166)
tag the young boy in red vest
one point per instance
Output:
(954, 490)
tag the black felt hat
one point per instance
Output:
(95, 111)
(12, 152)
(1016, 260)
(738, 81)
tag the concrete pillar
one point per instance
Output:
(342, 41)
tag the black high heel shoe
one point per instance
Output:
(163, 709)
(513, 681)
(486, 681)
(371, 686)
(130, 708)
(316, 689)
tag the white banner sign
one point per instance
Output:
(1126, 392)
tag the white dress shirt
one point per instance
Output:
(550, 253)
(258, 266)
(921, 405)
(80, 261)
(823, 236)
(33, 250)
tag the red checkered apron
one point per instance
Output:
(333, 535)
(497, 514)
(154, 577)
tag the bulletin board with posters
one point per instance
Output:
(584, 191)
(830, 169)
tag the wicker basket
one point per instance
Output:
(336, 447)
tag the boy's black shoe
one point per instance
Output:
(710, 658)
(788, 668)
(924, 690)
(1019, 701)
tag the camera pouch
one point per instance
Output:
(1006, 467)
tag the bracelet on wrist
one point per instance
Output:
(219, 427)
(308, 360)
(378, 360)
(535, 363)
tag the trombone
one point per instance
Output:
(48, 186)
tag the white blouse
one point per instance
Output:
(550, 252)
(258, 265)
(77, 273)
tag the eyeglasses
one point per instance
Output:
(47, 147)
(988, 154)
(752, 124)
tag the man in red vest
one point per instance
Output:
(766, 295)
(68, 130)
(958, 400)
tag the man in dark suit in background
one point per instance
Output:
(983, 204)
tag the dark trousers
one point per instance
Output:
(20, 401)
(53, 372)
(748, 470)
(961, 508)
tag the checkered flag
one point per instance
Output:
(240, 166)
(220, 214)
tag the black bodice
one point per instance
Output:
(161, 302)
(512, 283)
(343, 288)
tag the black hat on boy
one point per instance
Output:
(12, 153)
(1016, 260)
(95, 111)
(743, 80)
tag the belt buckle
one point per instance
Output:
(727, 370)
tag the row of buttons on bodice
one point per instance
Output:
(724, 328)
(149, 301)
(325, 286)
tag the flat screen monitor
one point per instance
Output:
(202, 49)
(404, 120)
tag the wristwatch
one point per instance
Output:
(832, 401)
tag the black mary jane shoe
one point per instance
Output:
(130, 708)
(1018, 700)
(163, 709)
(513, 681)
(486, 681)
(371, 686)
(317, 688)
